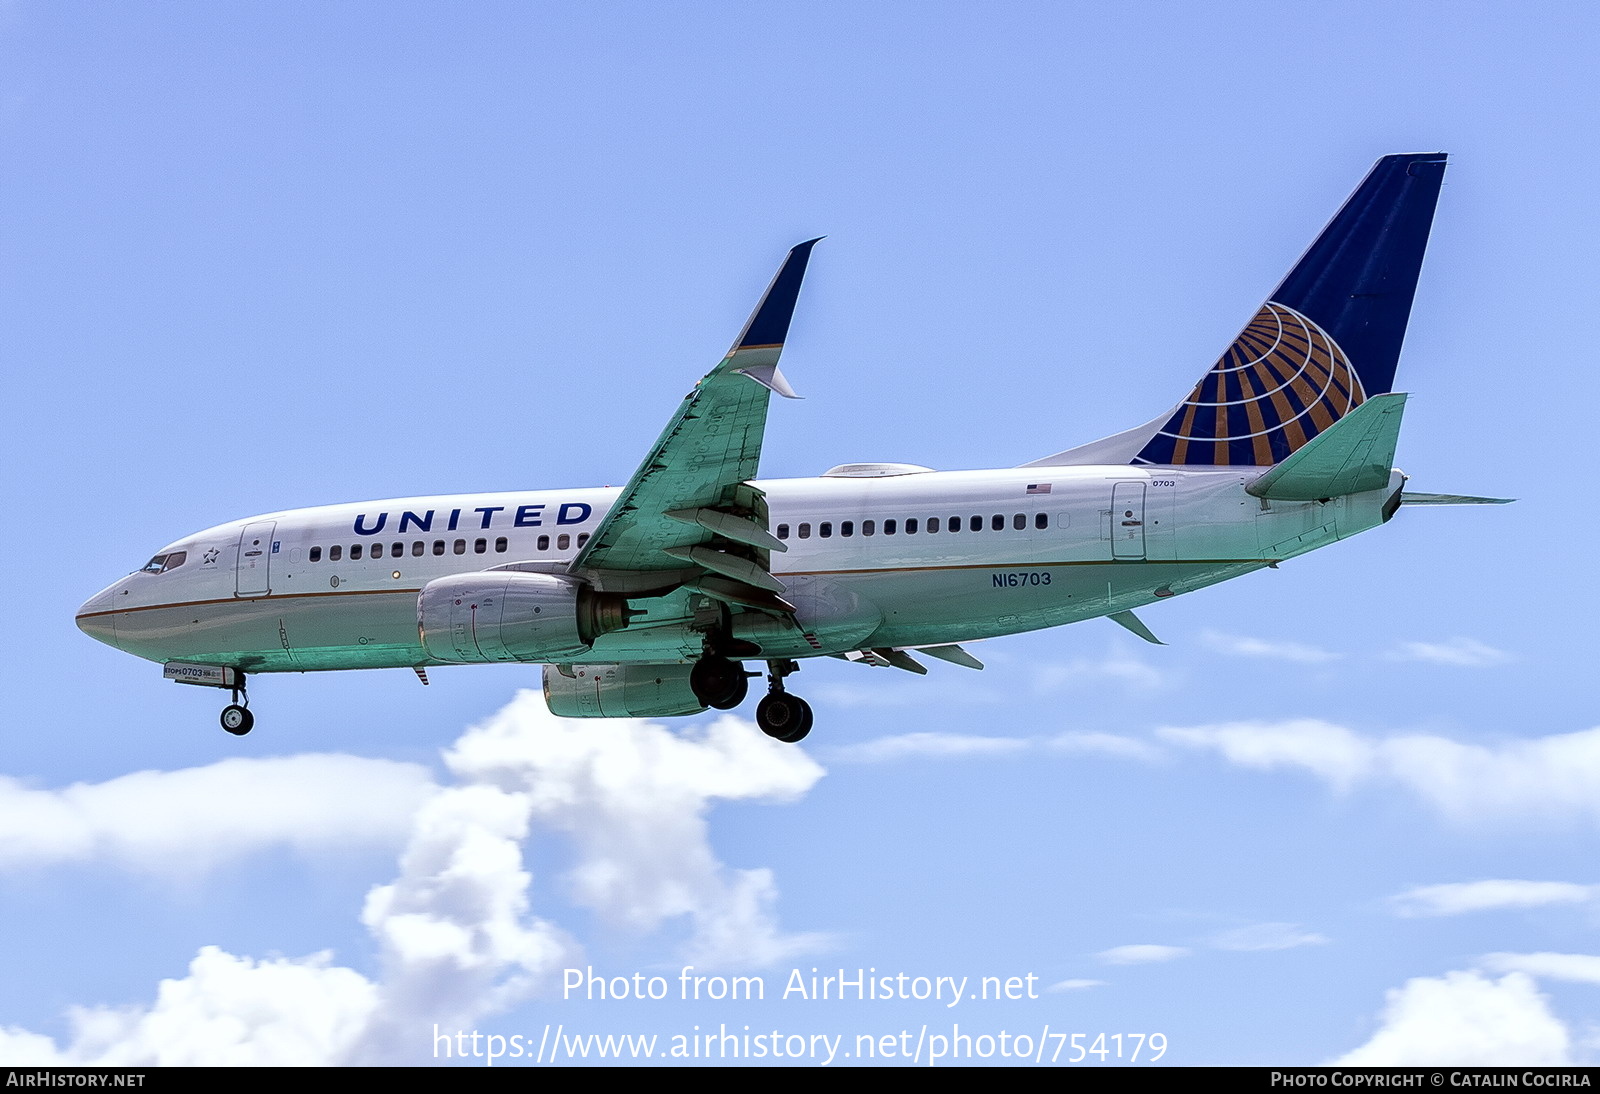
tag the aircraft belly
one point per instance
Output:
(962, 605)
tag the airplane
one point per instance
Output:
(650, 599)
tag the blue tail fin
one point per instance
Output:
(1326, 339)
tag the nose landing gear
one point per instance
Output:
(236, 716)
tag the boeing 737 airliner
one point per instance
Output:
(649, 600)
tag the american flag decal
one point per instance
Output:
(1038, 488)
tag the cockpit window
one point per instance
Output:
(162, 563)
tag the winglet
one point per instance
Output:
(768, 325)
(757, 348)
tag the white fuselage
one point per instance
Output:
(336, 587)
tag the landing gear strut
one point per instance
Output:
(718, 682)
(236, 716)
(781, 715)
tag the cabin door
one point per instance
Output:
(1127, 520)
(256, 546)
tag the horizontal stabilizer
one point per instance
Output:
(1409, 498)
(1353, 454)
(1136, 625)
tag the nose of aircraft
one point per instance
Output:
(97, 620)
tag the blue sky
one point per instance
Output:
(260, 257)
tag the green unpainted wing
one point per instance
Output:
(1353, 454)
(691, 488)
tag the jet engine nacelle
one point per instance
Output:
(513, 616)
(619, 691)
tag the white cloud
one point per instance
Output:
(186, 822)
(633, 797)
(1580, 967)
(1107, 744)
(937, 745)
(455, 935)
(1457, 652)
(1276, 649)
(970, 745)
(1466, 1019)
(233, 1011)
(19, 1048)
(1141, 954)
(1331, 751)
(1482, 896)
(1118, 665)
(1267, 936)
(1556, 776)
(1075, 985)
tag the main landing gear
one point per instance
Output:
(718, 682)
(722, 683)
(781, 715)
(236, 716)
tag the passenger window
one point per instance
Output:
(417, 547)
(316, 554)
(460, 547)
(977, 524)
(397, 549)
(868, 527)
(500, 545)
(583, 537)
(438, 546)
(888, 527)
(933, 524)
(1019, 522)
(783, 531)
(953, 524)
(805, 531)
(911, 526)
(825, 529)
(563, 541)
(479, 546)
(335, 553)
(355, 550)
(544, 543)
(1041, 520)
(848, 528)
(997, 522)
